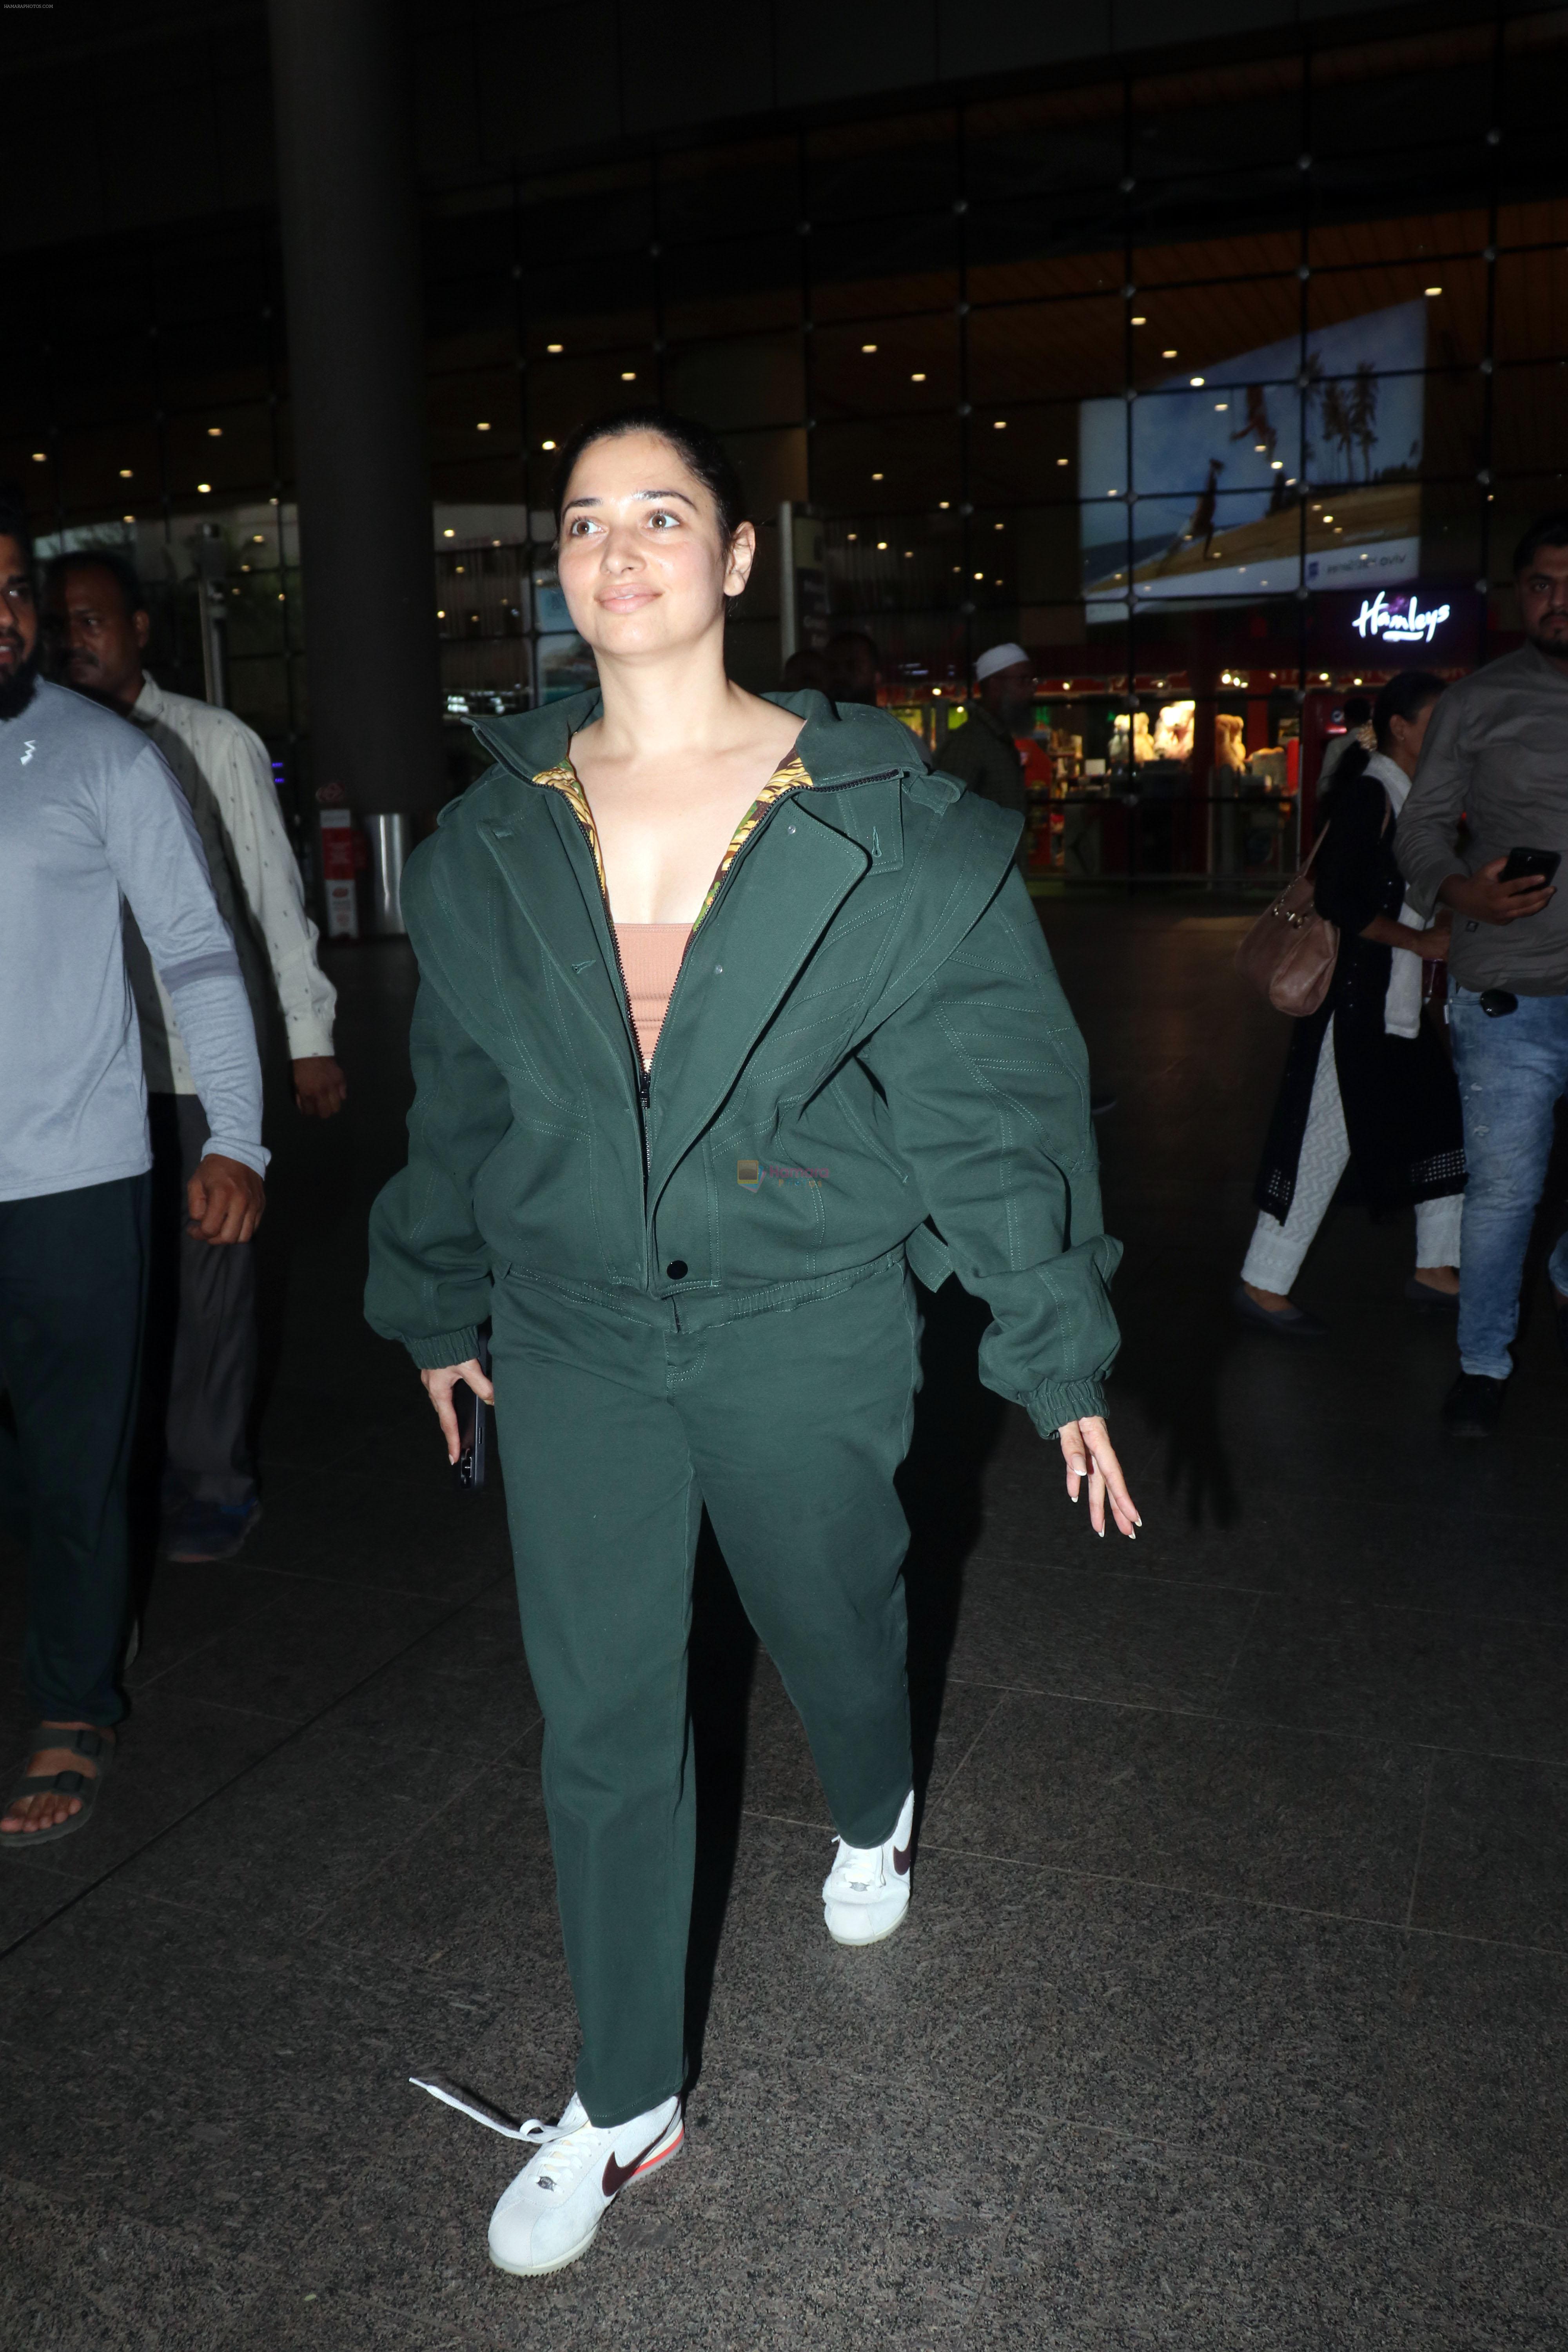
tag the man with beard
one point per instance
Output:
(201, 1344)
(1496, 752)
(90, 815)
(983, 752)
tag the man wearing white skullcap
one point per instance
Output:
(983, 752)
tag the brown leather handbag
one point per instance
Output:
(1288, 954)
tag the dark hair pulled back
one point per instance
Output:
(699, 449)
(1406, 695)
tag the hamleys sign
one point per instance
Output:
(1399, 620)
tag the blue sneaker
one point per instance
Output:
(199, 1532)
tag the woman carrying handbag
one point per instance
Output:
(1365, 1078)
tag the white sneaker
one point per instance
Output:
(866, 1892)
(551, 2211)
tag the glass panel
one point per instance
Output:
(750, 188)
(1040, 246)
(732, 286)
(231, 448)
(1414, 235)
(873, 266)
(1527, 422)
(473, 416)
(218, 359)
(858, 170)
(1216, 330)
(1224, 118)
(1383, 95)
(1033, 351)
(1032, 460)
(1070, 139)
(565, 393)
(883, 366)
(1267, 253)
(863, 467)
(1429, 313)
(1531, 306)
(757, 381)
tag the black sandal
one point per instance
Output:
(84, 1742)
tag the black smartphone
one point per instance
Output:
(470, 1469)
(1524, 864)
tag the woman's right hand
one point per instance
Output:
(439, 1386)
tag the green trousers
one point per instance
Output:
(617, 1422)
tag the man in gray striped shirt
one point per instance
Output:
(91, 819)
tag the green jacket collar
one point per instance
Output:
(843, 745)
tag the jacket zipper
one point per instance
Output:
(644, 1072)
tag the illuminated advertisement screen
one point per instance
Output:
(1218, 460)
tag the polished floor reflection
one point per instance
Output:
(1229, 2012)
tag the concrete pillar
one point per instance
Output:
(349, 199)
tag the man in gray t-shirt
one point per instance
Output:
(90, 820)
(1497, 753)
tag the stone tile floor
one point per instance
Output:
(1231, 2010)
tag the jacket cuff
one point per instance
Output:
(1054, 1401)
(446, 1348)
(1421, 888)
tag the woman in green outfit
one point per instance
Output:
(730, 1014)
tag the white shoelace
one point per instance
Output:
(857, 1867)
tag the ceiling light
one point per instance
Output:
(854, 534)
(1220, 407)
(259, 539)
(1168, 355)
(1433, 289)
(980, 575)
(555, 347)
(1063, 461)
(881, 547)
(908, 552)
(40, 457)
(1278, 467)
(628, 375)
(131, 519)
(440, 611)
(944, 503)
(125, 472)
(918, 376)
(876, 478)
(448, 534)
(205, 488)
(998, 424)
(867, 347)
(547, 445)
(495, 543)
(1000, 526)
(1261, 447)
(1140, 323)
(481, 427)
(1328, 518)
(1197, 382)
(243, 567)
(215, 432)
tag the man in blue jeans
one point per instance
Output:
(1497, 753)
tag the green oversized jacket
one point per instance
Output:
(866, 1051)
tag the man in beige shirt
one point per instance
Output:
(202, 1313)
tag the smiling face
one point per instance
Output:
(644, 565)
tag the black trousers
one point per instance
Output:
(72, 1295)
(202, 1343)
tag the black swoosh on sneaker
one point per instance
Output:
(901, 1858)
(617, 2175)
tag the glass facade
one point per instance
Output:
(1223, 392)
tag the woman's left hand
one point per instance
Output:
(1089, 1453)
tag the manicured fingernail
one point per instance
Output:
(1136, 1518)
(1132, 1534)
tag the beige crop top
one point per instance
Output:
(650, 957)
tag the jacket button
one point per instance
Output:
(676, 1269)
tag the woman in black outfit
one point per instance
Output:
(1366, 1079)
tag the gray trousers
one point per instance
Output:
(202, 1316)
